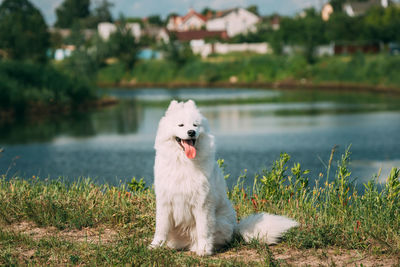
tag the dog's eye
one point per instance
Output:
(195, 125)
(180, 125)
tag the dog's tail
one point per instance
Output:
(266, 228)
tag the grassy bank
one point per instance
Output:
(54, 222)
(40, 89)
(358, 69)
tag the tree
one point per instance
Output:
(383, 24)
(206, 11)
(313, 29)
(307, 31)
(70, 11)
(123, 44)
(155, 20)
(341, 27)
(83, 63)
(23, 31)
(102, 12)
(337, 5)
(178, 52)
(253, 9)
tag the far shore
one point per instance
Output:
(38, 111)
(292, 85)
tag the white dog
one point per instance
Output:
(192, 208)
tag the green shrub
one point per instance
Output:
(23, 85)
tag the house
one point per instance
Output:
(65, 33)
(353, 8)
(205, 49)
(105, 29)
(158, 33)
(359, 8)
(326, 11)
(64, 52)
(191, 21)
(233, 21)
(275, 22)
(343, 47)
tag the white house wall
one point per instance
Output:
(205, 49)
(105, 29)
(192, 23)
(236, 22)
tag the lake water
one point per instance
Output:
(252, 127)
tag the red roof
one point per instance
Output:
(200, 34)
(193, 13)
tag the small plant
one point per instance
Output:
(222, 165)
(137, 186)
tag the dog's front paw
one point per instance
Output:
(204, 248)
(156, 243)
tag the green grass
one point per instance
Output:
(332, 214)
(381, 69)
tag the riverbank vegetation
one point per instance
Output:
(36, 88)
(57, 222)
(358, 69)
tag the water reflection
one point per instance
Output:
(252, 128)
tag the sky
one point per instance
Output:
(144, 8)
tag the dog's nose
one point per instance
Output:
(191, 133)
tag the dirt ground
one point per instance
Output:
(281, 253)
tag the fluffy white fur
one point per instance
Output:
(192, 208)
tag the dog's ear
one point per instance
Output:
(190, 103)
(172, 106)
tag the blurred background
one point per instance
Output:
(83, 83)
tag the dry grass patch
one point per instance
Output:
(100, 234)
(331, 256)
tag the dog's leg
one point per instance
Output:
(163, 225)
(205, 227)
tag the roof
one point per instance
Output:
(360, 8)
(193, 13)
(223, 13)
(200, 34)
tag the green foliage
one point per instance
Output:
(341, 27)
(155, 20)
(177, 52)
(221, 164)
(72, 11)
(23, 31)
(204, 12)
(306, 31)
(66, 205)
(383, 24)
(102, 12)
(377, 25)
(25, 85)
(276, 182)
(82, 63)
(379, 69)
(113, 73)
(253, 9)
(251, 68)
(332, 213)
(137, 186)
(123, 45)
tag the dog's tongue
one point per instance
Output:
(190, 150)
